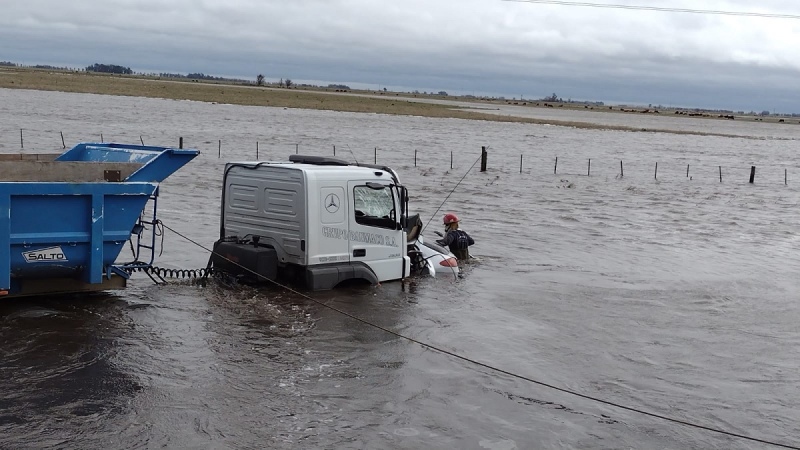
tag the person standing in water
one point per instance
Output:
(458, 241)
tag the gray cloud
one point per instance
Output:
(459, 45)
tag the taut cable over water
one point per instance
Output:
(451, 192)
(351, 152)
(494, 368)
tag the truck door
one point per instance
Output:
(375, 237)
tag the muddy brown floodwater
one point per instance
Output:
(676, 295)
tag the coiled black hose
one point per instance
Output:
(163, 272)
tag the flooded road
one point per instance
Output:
(662, 292)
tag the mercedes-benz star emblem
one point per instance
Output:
(332, 203)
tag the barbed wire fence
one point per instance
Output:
(32, 140)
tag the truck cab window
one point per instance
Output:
(374, 207)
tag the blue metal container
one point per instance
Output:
(157, 163)
(65, 219)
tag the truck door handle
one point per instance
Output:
(360, 252)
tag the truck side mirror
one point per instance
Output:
(403, 206)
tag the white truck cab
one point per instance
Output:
(320, 220)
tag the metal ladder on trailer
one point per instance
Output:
(145, 233)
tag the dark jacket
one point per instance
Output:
(458, 242)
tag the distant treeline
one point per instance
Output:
(49, 67)
(553, 98)
(109, 68)
(202, 76)
(37, 66)
(113, 68)
(195, 76)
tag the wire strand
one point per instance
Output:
(662, 9)
(489, 366)
(451, 193)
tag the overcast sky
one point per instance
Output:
(476, 47)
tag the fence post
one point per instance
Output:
(655, 175)
(140, 139)
(720, 174)
(451, 159)
(101, 138)
(21, 142)
(752, 174)
(555, 168)
(785, 177)
(219, 149)
(256, 150)
(687, 171)
(415, 157)
(64, 145)
(484, 158)
(520, 163)
(296, 148)
(180, 142)
(589, 170)
(334, 150)
(376, 155)
(621, 172)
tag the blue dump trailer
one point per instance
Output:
(66, 217)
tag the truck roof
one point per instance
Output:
(309, 163)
